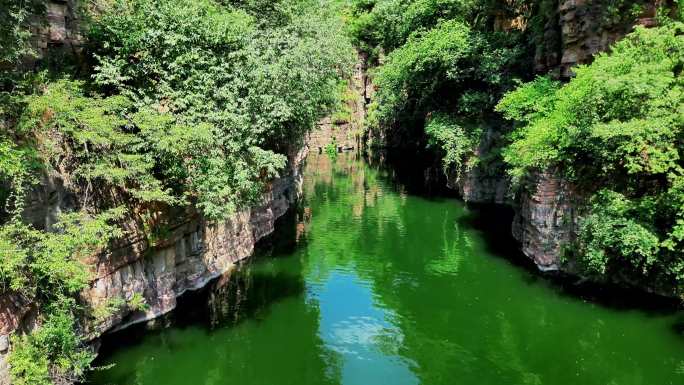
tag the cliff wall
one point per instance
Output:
(546, 206)
(576, 30)
(192, 252)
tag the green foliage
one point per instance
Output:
(385, 25)
(622, 107)
(616, 12)
(48, 265)
(615, 130)
(256, 88)
(529, 104)
(105, 310)
(331, 150)
(14, 28)
(16, 165)
(346, 97)
(54, 353)
(93, 139)
(137, 302)
(453, 139)
(438, 57)
(622, 111)
(202, 110)
(618, 226)
(414, 72)
(451, 69)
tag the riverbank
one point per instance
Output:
(375, 279)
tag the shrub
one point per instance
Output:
(616, 131)
(456, 140)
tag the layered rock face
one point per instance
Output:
(56, 37)
(546, 211)
(192, 252)
(546, 218)
(547, 206)
(484, 183)
(579, 29)
(345, 129)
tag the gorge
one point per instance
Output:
(445, 191)
(387, 284)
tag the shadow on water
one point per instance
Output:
(420, 174)
(244, 293)
(495, 223)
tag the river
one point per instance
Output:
(372, 283)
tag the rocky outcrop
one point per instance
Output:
(546, 210)
(55, 35)
(486, 181)
(193, 252)
(576, 30)
(546, 219)
(16, 313)
(547, 207)
(47, 200)
(344, 128)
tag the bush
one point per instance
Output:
(456, 140)
(616, 131)
(258, 88)
(44, 265)
(54, 353)
(414, 74)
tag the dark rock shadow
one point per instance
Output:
(243, 294)
(495, 223)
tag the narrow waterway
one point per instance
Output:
(376, 285)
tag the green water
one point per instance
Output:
(385, 287)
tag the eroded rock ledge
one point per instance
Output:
(194, 252)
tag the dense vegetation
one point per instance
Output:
(198, 103)
(614, 130)
(177, 103)
(444, 68)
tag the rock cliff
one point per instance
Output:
(546, 218)
(344, 128)
(486, 181)
(56, 36)
(547, 207)
(576, 30)
(192, 252)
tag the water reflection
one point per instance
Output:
(361, 333)
(379, 286)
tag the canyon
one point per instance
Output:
(191, 251)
